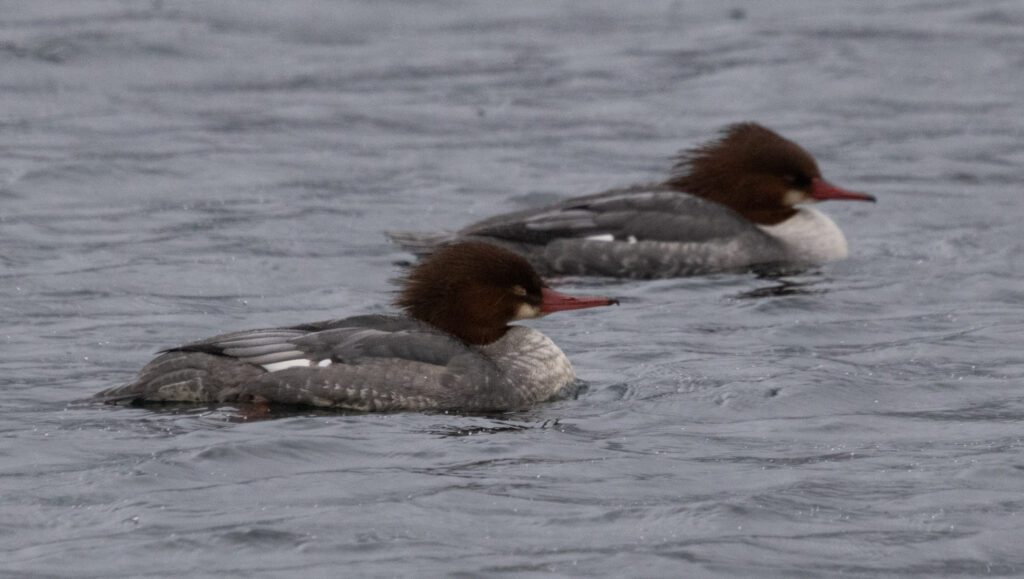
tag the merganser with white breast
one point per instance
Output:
(730, 205)
(453, 349)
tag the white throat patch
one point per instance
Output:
(527, 312)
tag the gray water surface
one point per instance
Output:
(174, 170)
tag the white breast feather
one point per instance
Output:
(810, 236)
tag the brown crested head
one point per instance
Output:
(473, 290)
(756, 172)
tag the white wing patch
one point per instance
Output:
(276, 366)
(324, 363)
(609, 237)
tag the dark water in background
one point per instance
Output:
(175, 170)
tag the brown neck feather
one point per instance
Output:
(472, 334)
(768, 216)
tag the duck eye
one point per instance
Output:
(519, 291)
(798, 181)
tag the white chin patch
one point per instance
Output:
(276, 366)
(794, 196)
(527, 312)
(601, 237)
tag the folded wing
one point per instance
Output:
(645, 213)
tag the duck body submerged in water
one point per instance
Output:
(730, 205)
(454, 348)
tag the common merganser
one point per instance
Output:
(453, 349)
(729, 205)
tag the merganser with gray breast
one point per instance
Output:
(730, 205)
(453, 350)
